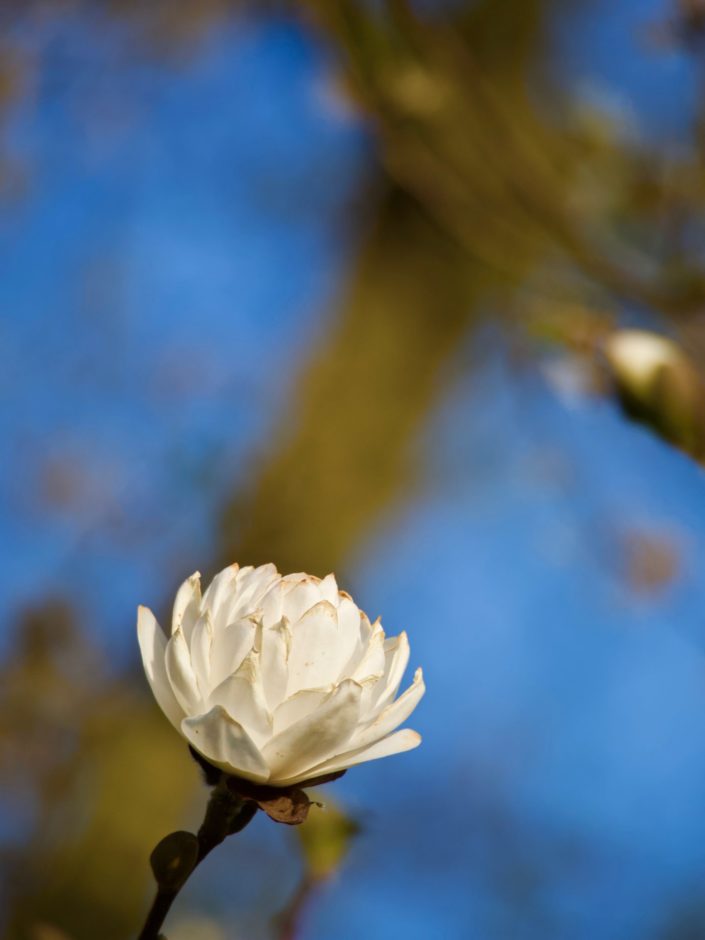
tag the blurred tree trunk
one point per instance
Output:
(341, 455)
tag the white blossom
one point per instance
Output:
(278, 679)
(637, 356)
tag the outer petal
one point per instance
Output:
(225, 743)
(153, 648)
(187, 604)
(371, 666)
(396, 659)
(241, 696)
(404, 740)
(316, 737)
(393, 715)
(298, 706)
(181, 675)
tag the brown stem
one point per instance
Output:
(289, 920)
(157, 914)
(225, 815)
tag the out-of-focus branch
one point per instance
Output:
(480, 148)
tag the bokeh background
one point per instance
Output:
(328, 283)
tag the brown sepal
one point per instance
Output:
(288, 805)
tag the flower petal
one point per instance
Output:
(187, 604)
(393, 715)
(231, 645)
(251, 587)
(300, 704)
(316, 737)
(371, 666)
(181, 675)
(272, 604)
(314, 655)
(404, 740)
(396, 659)
(349, 645)
(242, 697)
(225, 743)
(200, 649)
(329, 589)
(153, 642)
(276, 644)
(218, 594)
(304, 595)
(291, 580)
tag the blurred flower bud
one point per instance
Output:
(659, 386)
(278, 679)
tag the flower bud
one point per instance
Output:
(659, 386)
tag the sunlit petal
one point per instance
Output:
(242, 697)
(187, 604)
(230, 646)
(225, 743)
(317, 736)
(152, 641)
(314, 660)
(181, 675)
(404, 740)
(394, 714)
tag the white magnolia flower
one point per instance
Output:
(278, 679)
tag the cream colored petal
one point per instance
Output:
(272, 604)
(276, 644)
(349, 645)
(230, 646)
(200, 648)
(153, 649)
(304, 595)
(218, 596)
(397, 743)
(225, 743)
(317, 736)
(241, 696)
(181, 675)
(371, 666)
(396, 659)
(329, 590)
(251, 587)
(314, 659)
(298, 706)
(357, 620)
(290, 581)
(393, 715)
(187, 605)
